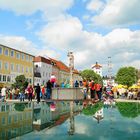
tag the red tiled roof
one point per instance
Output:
(96, 66)
(60, 65)
(42, 59)
(76, 71)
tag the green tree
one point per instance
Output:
(91, 110)
(91, 75)
(130, 110)
(20, 83)
(126, 76)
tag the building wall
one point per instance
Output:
(15, 123)
(45, 70)
(14, 63)
(98, 71)
(77, 77)
(64, 76)
(55, 71)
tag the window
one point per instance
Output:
(7, 107)
(6, 52)
(22, 69)
(20, 117)
(15, 118)
(18, 55)
(6, 66)
(31, 59)
(22, 56)
(0, 65)
(0, 50)
(0, 77)
(8, 78)
(17, 68)
(30, 70)
(12, 53)
(27, 69)
(9, 119)
(3, 108)
(12, 67)
(27, 57)
(4, 78)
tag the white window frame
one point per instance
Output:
(12, 67)
(18, 55)
(6, 52)
(6, 68)
(1, 52)
(11, 53)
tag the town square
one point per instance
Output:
(69, 70)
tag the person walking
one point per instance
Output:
(37, 90)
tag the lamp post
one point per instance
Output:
(71, 66)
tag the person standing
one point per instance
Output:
(3, 93)
(98, 90)
(37, 90)
(85, 85)
(30, 92)
(49, 89)
(76, 84)
(92, 90)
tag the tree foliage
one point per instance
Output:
(126, 76)
(20, 82)
(20, 106)
(91, 75)
(91, 110)
(130, 110)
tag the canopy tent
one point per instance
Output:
(121, 86)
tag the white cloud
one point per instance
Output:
(88, 47)
(95, 5)
(28, 7)
(19, 43)
(118, 12)
(62, 34)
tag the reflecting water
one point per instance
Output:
(99, 122)
(113, 126)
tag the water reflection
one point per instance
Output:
(15, 121)
(99, 115)
(128, 109)
(21, 118)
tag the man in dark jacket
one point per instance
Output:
(49, 89)
(37, 90)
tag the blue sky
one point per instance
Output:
(92, 29)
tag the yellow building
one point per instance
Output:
(14, 63)
(14, 121)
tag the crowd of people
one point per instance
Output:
(31, 92)
(91, 90)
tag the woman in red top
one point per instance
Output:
(92, 89)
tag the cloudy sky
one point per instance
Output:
(93, 29)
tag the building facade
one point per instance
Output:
(14, 63)
(14, 121)
(97, 68)
(43, 67)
